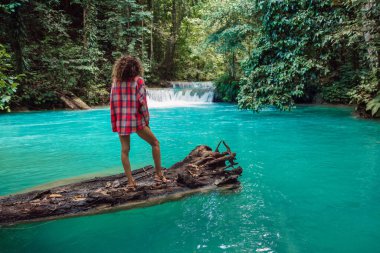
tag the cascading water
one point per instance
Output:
(181, 94)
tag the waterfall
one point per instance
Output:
(181, 94)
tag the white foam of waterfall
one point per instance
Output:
(183, 94)
(193, 85)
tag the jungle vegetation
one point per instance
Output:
(257, 52)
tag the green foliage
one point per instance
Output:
(290, 54)
(336, 94)
(8, 82)
(355, 49)
(179, 30)
(298, 51)
(231, 25)
(70, 46)
(97, 94)
(374, 106)
(260, 52)
(226, 88)
(366, 96)
(196, 60)
(336, 88)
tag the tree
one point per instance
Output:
(232, 26)
(365, 25)
(69, 46)
(8, 82)
(290, 55)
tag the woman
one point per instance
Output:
(129, 113)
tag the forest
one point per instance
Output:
(258, 53)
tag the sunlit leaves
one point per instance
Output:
(374, 106)
(8, 82)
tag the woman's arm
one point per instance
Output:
(141, 97)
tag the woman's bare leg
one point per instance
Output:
(147, 135)
(125, 141)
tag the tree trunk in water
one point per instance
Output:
(202, 170)
(73, 102)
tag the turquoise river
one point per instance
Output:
(311, 181)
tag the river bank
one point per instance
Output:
(104, 106)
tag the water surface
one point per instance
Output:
(311, 181)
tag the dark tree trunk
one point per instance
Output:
(85, 29)
(151, 52)
(177, 15)
(18, 36)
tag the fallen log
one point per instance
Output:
(202, 170)
(73, 102)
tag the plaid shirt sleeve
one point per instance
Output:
(112, 109)
(141, 97)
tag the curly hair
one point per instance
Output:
(126, 68)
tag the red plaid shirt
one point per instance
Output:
(129, 109)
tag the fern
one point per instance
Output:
(374, 106)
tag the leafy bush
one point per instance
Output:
(290, 54)
(367, 96)
(98, 94)
(336, 93)
(226, 88)
(374, 106)
(8, 82)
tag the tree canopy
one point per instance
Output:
(258, 52)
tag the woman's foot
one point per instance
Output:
(132, 185)
(160, 178)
